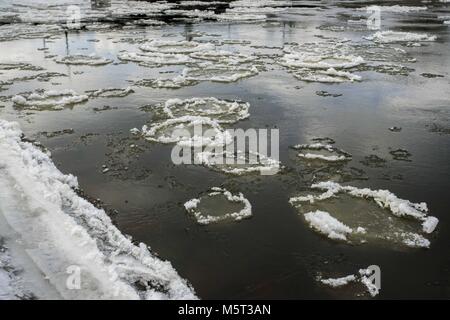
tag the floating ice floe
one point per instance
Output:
(395, 8)
(110, 92)
(241, 17)
(173, 46)
(90, 60)
(320, 151)
(338, 214)
(238, 162)
(317, 61)
(217, 205)
(155, 59)
(57, 231)
(327, 62)
(399, 36)
(326, 224)
(176, 131)
(219, 72)
(223, 57)
(222, 111)
(326, 76)
(363, 277)
(49, 99)
(170, 83)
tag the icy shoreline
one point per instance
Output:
(58, 229)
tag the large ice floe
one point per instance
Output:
(399, 36)
(57, 231)
(197, 123)
(218, 205)
(223, 56)
(224, 73)
(174, 46)
(89, 60)
(321, 151)
(361, 277)
(155, 59)
(238, 162)
(357, 215)
(329, 62)
(219, 72)
(50, 99)
(223, 111)
(173, 131)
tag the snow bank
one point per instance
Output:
(192, 207)
(59, 229)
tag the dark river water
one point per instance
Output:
(274, 254)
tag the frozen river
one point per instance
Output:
(374, 95)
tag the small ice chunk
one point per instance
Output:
(430, 224)
(324, 223)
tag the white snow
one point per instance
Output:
(430, 224)
(58, 229)
(327, 225)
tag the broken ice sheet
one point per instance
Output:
(222, 111)
(50, 99)
(223, 56)
(399, 36)
(89, 60)
(219, 72)
(110, 92)
(362, 277)
(354, 215)
(239, 162)
(174, 46)
(217, 205)
(173, 131)
(322, 152)
(155, 59)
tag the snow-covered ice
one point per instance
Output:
(222, 111)
(59, 229)
(399, 36)
(49, 99)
